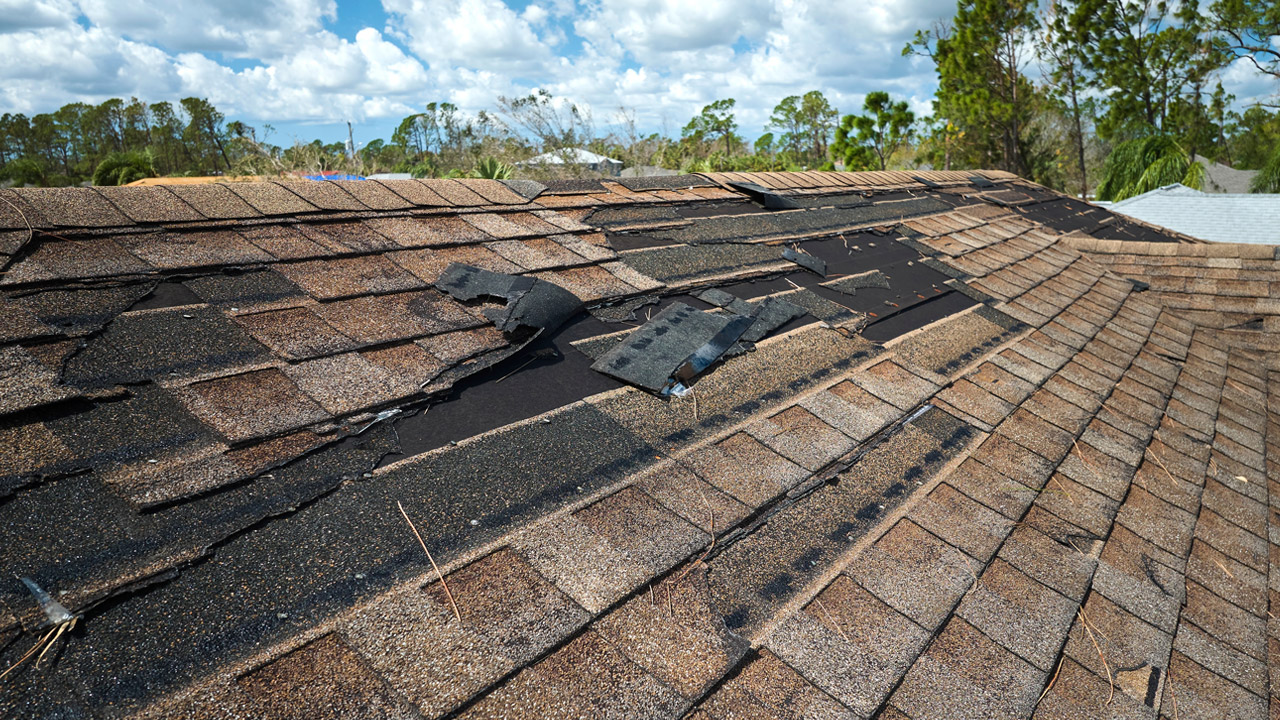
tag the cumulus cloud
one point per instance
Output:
(303, 61)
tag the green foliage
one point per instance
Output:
(806, 124)
(1144, 164)
(1268, 178)
(982, 90)
(715, 121)
(122, 168)
(1247, 28)
(25, 171)
(868, 141)
(493, 169)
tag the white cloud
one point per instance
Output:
(476, 34)
(259, 29)
(289, 61)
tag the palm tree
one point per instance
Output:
(1268, 178)
(1146, 163)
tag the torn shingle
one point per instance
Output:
(530, 302)
(672, 348)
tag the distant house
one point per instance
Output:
(577, 156)
(1218, 217)
(1219, 178)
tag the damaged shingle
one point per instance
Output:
(531, 302)
(672, 348)
(850, 284)
(805, 260)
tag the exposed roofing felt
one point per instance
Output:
(1015, 459)
(1217, 217)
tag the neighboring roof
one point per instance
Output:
(1219, 178)
(577, 156)
(1238, 218)
(1014, 457)
(201, 180)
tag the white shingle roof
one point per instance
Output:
(1215, 217)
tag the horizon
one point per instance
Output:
(307, 67)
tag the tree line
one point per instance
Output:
(1102, 98)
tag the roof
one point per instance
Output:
(973, 448)
(571, 155)
(1215, 217)
(1219, 178)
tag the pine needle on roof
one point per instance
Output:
(439, 574)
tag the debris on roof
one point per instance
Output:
(850, 284)
(1013, 457)
(815, 265)
(530, 302)
(668, 351)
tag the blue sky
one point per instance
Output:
(308, 66)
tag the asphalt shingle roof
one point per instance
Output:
(1032, 477)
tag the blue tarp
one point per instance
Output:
(334, 176)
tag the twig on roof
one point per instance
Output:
(1168, 680)
(830, 619)
(1075, 447)
(30, 652)
(1224, 569)
(1053, 679)
(439, 574)
(1054, 478)
(1156, 457)
(31, 231)
(513, 372)
(694, 393)
(712, 519)
(792, 283)
(1084, 622)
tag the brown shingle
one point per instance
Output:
(251, 405)
(343, 384)
(170, 251)
(215, 201)
(586, 673)
(915, 572)
(417, 192)
(150, 204)
(345, 237)
(799, 436)
(74, 259)
(850, 644)
(430, 264)
(73, 207)
(325, 679)
(373, 195)
(413, 639)
(284, 242)
(408, 362)
(964, 669)
(455, 192)
(1019, 613)
(269, 198)
(744, 468)
(295, 333)
(324, 195)
(968, 525)
(894, 384)
(383, 318)
(346, 277)
(676, 634)
(768, 688)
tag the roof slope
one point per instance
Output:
(1229, 218)
(1015, 459)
